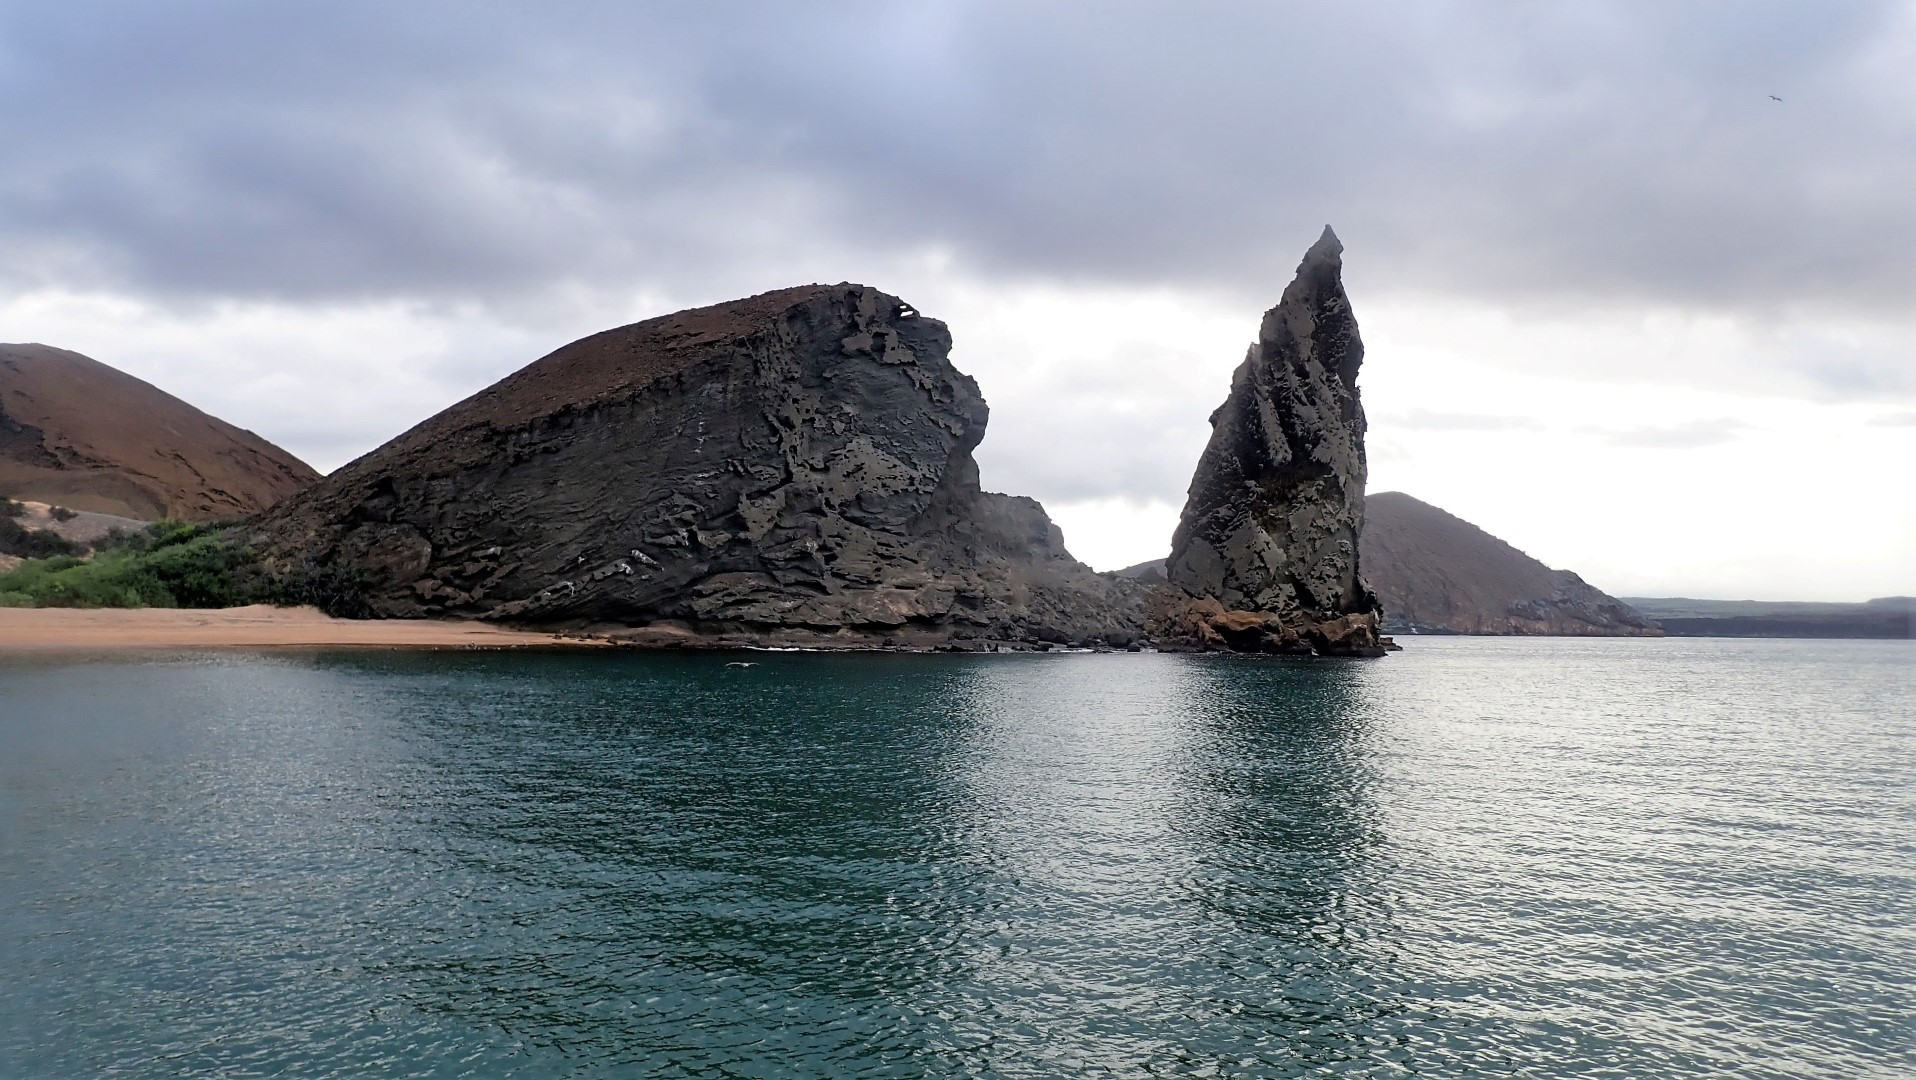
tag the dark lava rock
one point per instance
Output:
(1266, 552)
(792, 468)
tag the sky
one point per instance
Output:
(1622, 307)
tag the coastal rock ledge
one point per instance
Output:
(1265, 558)
(794, 468)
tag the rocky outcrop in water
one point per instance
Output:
(1434, 573)
(1265, 557)
(790, 468)
(77, 433)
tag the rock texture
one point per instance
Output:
(1267, 546)
(80, 434)
(790, 468)
(1150, 572)
(1436, 573)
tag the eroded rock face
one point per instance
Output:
(793, 467)
(1269, 533)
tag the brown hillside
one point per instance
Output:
(78, 433)
(1436, 572)
(593, 370)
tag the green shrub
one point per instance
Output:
(178, 564)
(17, 539)
(167, 564)
(158, 535)
(106, 581)
(198, 573)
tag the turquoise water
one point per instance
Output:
(1548, 858)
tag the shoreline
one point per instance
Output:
(263, 627)
(47, 630)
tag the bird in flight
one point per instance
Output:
(1773, 97)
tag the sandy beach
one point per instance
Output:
(259, 627)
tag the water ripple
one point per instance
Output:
(1477, 858)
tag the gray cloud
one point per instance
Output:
(1626, 152)
(1905, 419)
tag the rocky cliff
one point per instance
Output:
(1436, 573)
(80, 434)
(790, 468)
(1266, 551)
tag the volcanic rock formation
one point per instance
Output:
(1266, 551)
(790, 468)
(80, 434)
(1437, 573)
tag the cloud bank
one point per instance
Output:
(1611, 151)
(328, 220)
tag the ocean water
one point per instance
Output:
(1475, 858)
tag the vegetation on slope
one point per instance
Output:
(18, 540)
(170, 564)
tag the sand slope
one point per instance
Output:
(70, 629)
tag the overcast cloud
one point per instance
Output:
(326, 221)
(1622, 150)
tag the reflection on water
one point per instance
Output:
(1183, 840)
(1278, 806)
(1477, 858)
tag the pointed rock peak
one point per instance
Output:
(1270, 526)
(1328, 246)
(1322, 268)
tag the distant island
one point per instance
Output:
(1884, 617)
